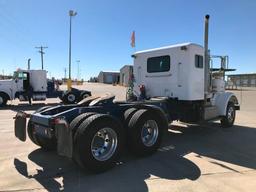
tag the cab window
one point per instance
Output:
(20, 75)
(158, 64)
(199, 61)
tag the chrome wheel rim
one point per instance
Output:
(1, 100)
(149, 133)
(231, 114)
(104, 144)
(71, 98)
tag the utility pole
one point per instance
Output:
(42, 53)
(29, 63)
(78, 70)
(65, 73)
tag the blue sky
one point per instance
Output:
(102, 30)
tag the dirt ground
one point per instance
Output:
(191, 158)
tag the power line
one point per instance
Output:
(41, 51)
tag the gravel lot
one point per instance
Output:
(192, 158)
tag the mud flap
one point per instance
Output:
(20, 125)
(64, 139)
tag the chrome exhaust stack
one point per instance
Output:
(206, 57)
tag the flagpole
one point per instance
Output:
(129, 89)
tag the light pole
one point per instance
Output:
(78, 70)
(71, 14)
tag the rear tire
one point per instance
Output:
(98, 143)
(229, 119)
(3, 99)
(69, 98)
(145, 131)
(83, 96)
(128, 115)
(76, 122)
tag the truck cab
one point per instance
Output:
(21, 79)
(177, 73)
(18, 86)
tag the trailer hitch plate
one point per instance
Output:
(64, 139)
(20, 125)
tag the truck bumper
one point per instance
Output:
(61, 131)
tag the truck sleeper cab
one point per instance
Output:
(177, 73)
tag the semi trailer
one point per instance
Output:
(35, 81)
(173, 83)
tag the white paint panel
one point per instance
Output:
(184, 81)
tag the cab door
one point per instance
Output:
(22, 81)
(25, 77)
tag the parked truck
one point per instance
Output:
(170, 83)
(36, 81)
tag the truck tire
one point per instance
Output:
(128, 115)
(83, 96)
(69, 98)
(45, 143)
(145, 131)
(3, 99)
(98, 143)
(76, 122)
(229, 119)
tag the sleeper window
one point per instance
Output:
(158, 64)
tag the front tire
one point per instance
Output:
(229, 119)
(98, 143)
(3, 100)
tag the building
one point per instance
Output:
(5, 77)
(125, 74)
(242, 80)
(109, 77)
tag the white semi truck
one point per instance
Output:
(170, 83)
(19, 85)
(178, 72)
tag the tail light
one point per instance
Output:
(142, 88)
